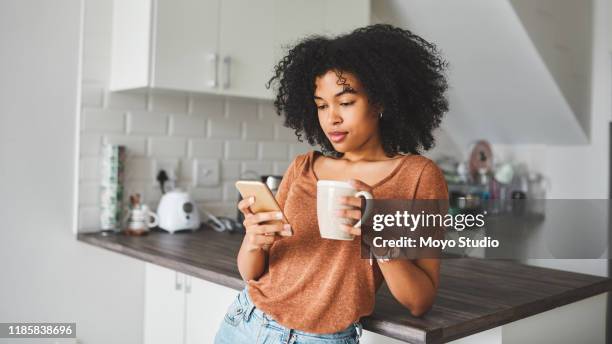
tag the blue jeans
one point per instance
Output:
(245, 323)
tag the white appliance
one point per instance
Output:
(176, 211)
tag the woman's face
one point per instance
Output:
(345, 115)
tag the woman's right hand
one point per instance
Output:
(259, 234)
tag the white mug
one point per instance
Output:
(142, 218)
(328, 194)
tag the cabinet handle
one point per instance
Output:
(212, 58)
(187, 284)
(226, 62)
(177, 283)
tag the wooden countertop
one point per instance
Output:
(474, 295)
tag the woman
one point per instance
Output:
(370, 99)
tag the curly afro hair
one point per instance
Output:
(399, 71)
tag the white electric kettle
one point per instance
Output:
(176, 211)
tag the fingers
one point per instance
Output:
(262, 217)
(269, 229)
(349, 200)
(354, 214)
(359, 185)
(350, 229)
(244, 204)
(261, 240)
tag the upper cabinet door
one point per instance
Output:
(246, 47)
(185, 44)
(252, 42)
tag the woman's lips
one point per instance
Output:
(337, 136)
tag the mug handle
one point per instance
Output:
(155, 222)
(366, 213)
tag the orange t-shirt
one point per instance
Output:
(319, 285)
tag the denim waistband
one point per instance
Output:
(250, 309)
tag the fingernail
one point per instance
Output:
(338, 212)
(251, 200)
(279, 215)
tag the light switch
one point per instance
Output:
(206, 172)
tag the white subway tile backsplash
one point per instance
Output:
(175, 103)
(298, 148)
(273, 151)
(184, 125)
(149, 193)
(203, 148)
(89, 218)
(230, 193)
(259, 167)
(279, 168)
(208, 105)
(267, 111)
(224, 128)
(102, 121)
(90, 144)
(283, 133)
(92, 95)
(89, 193)
(139, 168)
(89, 169)
(230, 170)
(259, 130)
(228, 209)
(162, 146)
(171, 166)
(135, 146)
(236, 150)
(141, 122)
(126, 100)
(207, 193)
(241, 109)
(186, 169)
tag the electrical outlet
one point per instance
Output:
(206, 172)
(171, 168)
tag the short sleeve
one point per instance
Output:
(288, 178)
(432, 184)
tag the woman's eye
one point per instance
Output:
(321, 107)
(346, 104)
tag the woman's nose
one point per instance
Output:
(334, 117)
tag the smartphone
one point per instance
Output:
(264, 199)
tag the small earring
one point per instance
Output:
(380, 116)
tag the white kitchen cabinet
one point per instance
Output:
(166, 44)
(182, 309)
(205, 308)
(185, 44)
(224, 47)
(164, 311)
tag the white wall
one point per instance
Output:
(580, 171)
(47, 276)
(561, 31)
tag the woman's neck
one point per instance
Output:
(376, 154)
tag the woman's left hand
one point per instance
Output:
(354, 212)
